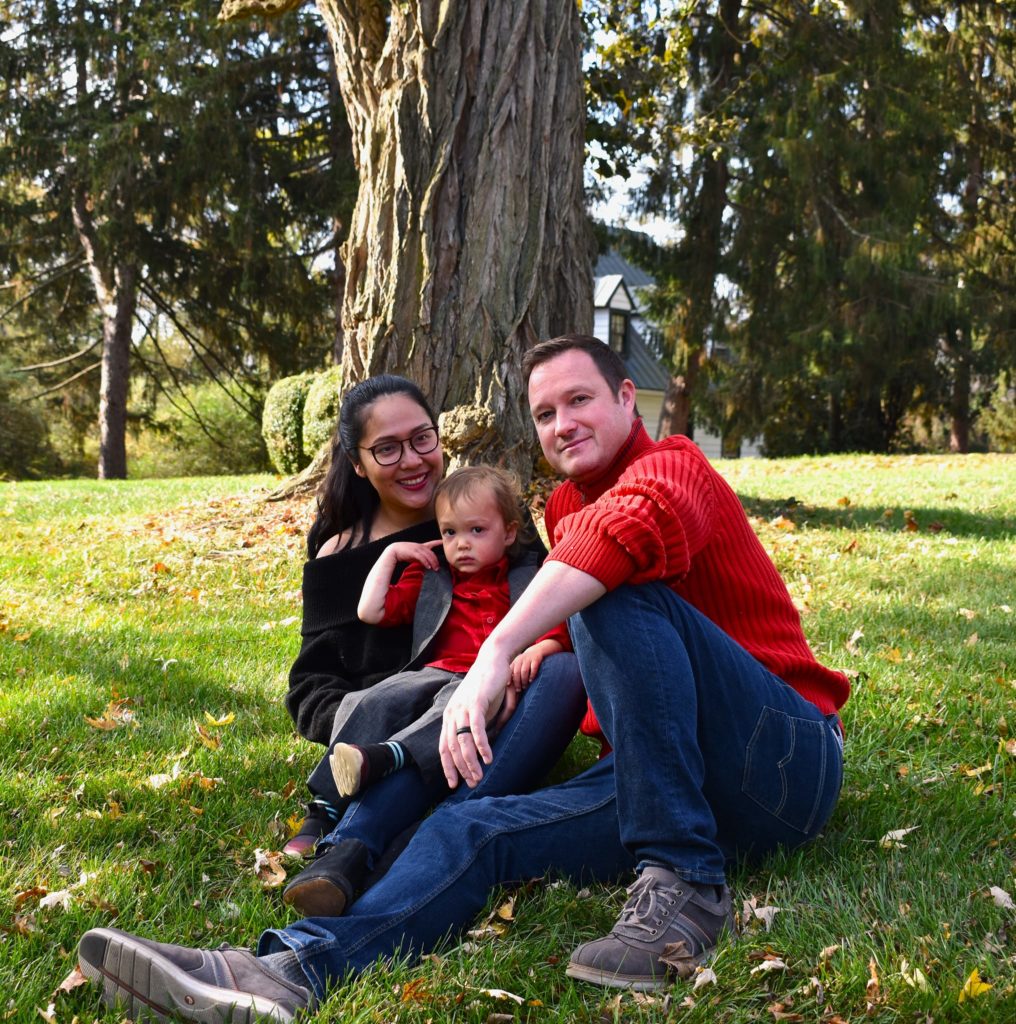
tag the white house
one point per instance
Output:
(618, 320)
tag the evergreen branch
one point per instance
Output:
(194, 416)
(57, 273)
(64, 383)
(57, 362)
(197, 346)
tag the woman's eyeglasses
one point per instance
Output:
(387, 453)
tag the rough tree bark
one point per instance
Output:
(469, 240)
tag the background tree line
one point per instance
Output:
(172, 190)
(176, 193)
(842, 176)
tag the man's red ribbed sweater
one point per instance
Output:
(661, 512)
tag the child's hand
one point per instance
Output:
(407, 551)
(525, 666)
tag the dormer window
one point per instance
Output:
(618, 339)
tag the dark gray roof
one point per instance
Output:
(612, 262)
(645, 370)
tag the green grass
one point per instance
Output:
(181, 597)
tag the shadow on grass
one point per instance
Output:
(951, 521)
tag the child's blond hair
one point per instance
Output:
(502, 486)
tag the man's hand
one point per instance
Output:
(474, 703)
(557, 591)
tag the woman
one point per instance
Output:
(386, 465)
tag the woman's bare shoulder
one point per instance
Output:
(337, 543)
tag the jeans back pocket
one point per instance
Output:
(785, 768)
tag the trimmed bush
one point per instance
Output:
(282, 422)
(321, 410)
(25, 450)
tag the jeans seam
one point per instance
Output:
(476, 848)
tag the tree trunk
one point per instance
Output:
(704, 240)
(675, 413)
(116, 293)
(115, 376)
(469, 240)
(959, 349)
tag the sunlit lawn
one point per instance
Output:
(133, 614)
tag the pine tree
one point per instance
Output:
(162, 168)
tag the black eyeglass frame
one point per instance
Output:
(402, 442)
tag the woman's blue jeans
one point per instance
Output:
(714, 758)
(527, 747)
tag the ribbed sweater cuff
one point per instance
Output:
(597, 555)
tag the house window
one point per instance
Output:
(618, 332)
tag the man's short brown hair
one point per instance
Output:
(607, 361)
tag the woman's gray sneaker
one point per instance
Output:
(667, 927)
(154, 981)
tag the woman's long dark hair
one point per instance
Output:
(346, 499)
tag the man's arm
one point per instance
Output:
(557, 591)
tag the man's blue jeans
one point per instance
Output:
(715, 758)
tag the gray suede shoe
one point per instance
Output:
(666, 927)
(153, 981)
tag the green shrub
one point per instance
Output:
(227, 441)
(282, 422)
(25, 450)
(998, 419)
(321, 410)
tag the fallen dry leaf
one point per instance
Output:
(24, 924)
(1002, 898)
(780, 1012)
(416, 991)
(891, 840)
(61, 898)
(118, 713)
(974, 986)
(751, 911)
(21, 898)
(73, 980)
(851, 644)
(815, 988)
(676, 955)
(206, 738)
(704, 976)
(219, 722)
(874, 984)
(268, 867)
(770, 964)
(499, 993)
(828, 952)
(916, 978)
(160, 780)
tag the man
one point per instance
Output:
(723, 725)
